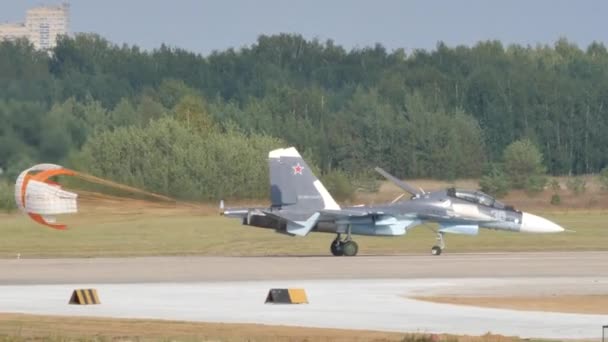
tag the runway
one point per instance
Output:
(368, 292)
(197, 269)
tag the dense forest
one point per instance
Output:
(199, 127)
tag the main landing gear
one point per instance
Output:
(437, 249)
(346, 247)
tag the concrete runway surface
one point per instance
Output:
(353, 293)
(197, 268)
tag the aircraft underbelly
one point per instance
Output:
(262, 221)
(386, 230)
(380, 228)
(455, 228)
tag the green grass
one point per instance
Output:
(138, 234)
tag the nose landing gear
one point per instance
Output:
(437, 249)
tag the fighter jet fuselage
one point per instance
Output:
(301, 205)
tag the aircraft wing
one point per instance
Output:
(376, 218)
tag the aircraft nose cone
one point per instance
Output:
(536, 224)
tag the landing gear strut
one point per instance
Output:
(437, 249)
(346, 247)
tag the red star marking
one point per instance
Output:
(297, 169)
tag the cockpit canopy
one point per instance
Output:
(478, 197)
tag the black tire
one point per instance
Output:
(436, 250)
(336, 248)
(350, 248)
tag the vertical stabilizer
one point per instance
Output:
(293, 185)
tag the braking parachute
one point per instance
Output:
(42, 199)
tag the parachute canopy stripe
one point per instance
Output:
(45, 221)
(41, 198)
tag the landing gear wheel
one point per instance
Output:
(436, 250)
(350, 248)
(440, 246)
(337, 248)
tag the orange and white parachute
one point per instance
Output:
(41, 198)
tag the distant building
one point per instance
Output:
(45, 24)
(42, 26)
(13, 31)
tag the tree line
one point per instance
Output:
(126, 113)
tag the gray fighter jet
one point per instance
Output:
(301, 204)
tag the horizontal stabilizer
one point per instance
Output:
(403, 185)
(240, 212)
(235, 212)
(294, 226)
(302, 228)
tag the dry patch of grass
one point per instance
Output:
(585, 304)
(165, 231)
(18, 327)
(112, 226)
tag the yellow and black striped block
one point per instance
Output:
(287, 296)
(84, 297)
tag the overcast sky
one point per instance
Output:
(204, 26)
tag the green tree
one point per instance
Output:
(439, 113)
(192, 112)
(604, 178)
(171, 91)
(577, 185)
(441, 144)
(523, 165)
(339, 185)
(7, 197)
(495, 182)
(171, 159)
